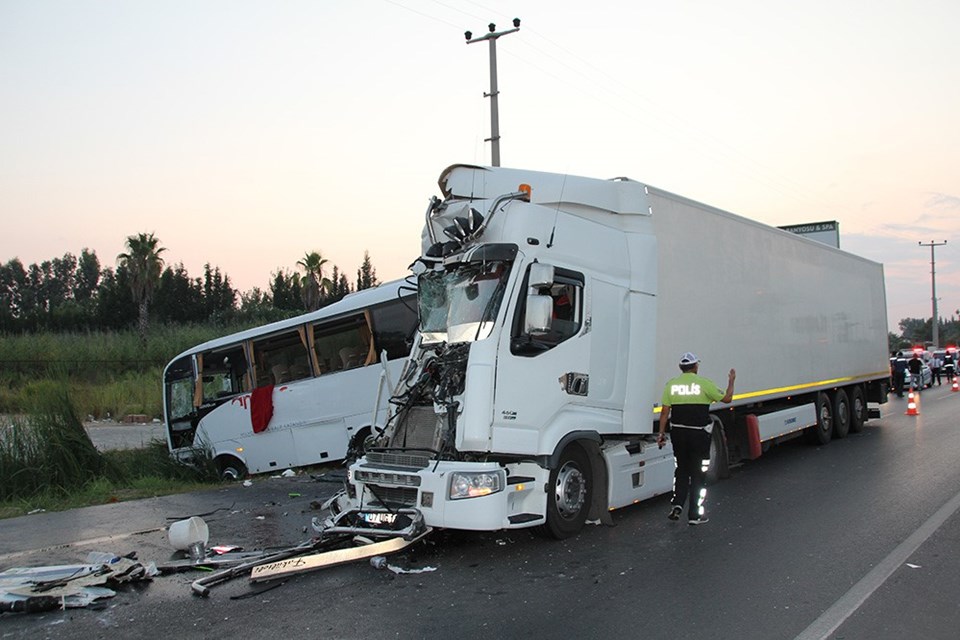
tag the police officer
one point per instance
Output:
(686, 406)
(950, 366)
(899, 367)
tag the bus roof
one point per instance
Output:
(351, 302)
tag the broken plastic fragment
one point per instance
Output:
(289, 473)
(248, 483)
(399, 570)
(221, 549)
(101, 557)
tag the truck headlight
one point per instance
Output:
(473, 484)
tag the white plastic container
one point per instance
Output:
(184, 533)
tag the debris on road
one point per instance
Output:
(301, 564)
(36, 589)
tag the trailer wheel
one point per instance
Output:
(231, 468)
(568, 494)
(858, 409)
(719, 468)
(841, 414)
(823, 430)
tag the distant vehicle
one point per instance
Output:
(295, 392)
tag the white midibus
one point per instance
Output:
(291, 393)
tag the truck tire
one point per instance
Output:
(821, 432)
(841, 414)
(719, 468)
(858, 409)
(568, 494)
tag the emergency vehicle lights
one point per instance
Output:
(475, 484)
(527, 189)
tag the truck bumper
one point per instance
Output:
(518, 502)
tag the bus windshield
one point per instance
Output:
(461, 303)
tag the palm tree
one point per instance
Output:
(142, 260)
(313, 282)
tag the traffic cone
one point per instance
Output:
(956, 384)
(912, 405)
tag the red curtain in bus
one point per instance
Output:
(261, 407)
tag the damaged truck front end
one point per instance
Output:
(434, 460)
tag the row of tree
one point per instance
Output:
(918, 331)
(79, 294)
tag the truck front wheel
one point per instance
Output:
(568, 494)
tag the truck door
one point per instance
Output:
(540, 373)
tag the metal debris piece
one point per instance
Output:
(293, 565)
(34, 589)
(201, 587)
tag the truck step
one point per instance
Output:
(521, 518)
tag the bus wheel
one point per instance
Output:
(823, 430)
(358, 444)
(841, 414)
(568, 494)
(231, 468)
(858, 409)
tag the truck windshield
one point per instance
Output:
(461, 303)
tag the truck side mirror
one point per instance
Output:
(539, 314)
(541, 275)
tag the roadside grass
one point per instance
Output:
(109, 373)
(48, 462)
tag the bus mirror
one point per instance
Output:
(541, 275)
(539, 314)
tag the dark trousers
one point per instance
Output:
(936, 375)
(691, 448)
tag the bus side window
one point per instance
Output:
(283, 358)
(223, 371)
(341, 345)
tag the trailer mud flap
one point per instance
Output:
(302, 564)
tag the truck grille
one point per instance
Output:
(406, 460)
(419, 428)
(393, 496)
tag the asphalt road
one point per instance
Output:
(107, 436)
(856, 539)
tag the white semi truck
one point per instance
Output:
(553, 308)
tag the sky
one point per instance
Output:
(246, 133)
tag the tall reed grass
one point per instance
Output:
(108, 374)
(48, 449)
(48, 452)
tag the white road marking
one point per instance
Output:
(843, 608)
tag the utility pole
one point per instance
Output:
(494, 107)
(933, 289)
